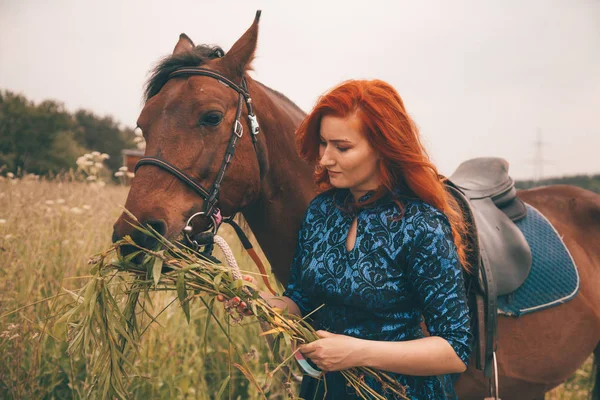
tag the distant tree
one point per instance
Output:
(104, 135)
(45, 138)
(589, 182)
(28, 134)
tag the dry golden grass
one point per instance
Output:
(48, 230)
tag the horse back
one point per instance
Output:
(573, 211)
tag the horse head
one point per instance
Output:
(197, 109)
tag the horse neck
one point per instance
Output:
(288, 186)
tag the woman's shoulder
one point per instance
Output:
(423, 215)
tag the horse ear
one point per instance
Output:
(184, 45)
(241, 54)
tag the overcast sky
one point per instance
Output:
(480, 78)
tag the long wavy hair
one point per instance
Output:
(404, 165)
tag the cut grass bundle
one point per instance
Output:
(103, 324)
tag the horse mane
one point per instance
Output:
(198, 56)
(282, 97)
(160, 74)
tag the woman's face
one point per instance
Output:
(350, 160)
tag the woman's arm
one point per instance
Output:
(282, 302)
(431, 355)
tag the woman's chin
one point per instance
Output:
(338, 185)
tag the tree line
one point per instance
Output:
(589, 182)
(46, 139)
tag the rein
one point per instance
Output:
(211, 195)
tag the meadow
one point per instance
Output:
(48, 231)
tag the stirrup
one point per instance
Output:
(494, 381)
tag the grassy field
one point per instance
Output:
(48, 230)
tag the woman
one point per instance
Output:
(380, 248)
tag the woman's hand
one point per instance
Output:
(333, 352)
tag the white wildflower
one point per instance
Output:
(16, 335)
(89, 163)
(35, 335)
(99, 165)
(119, 173)
(86, 207)
(9, 236)
(130, 174)
(10, 175)
(105, 156)
(49, 202)
(76, 210)
(60, 201)
(12, 326)
(95, 153)
(2, 221)
(91, 178)
(138, 131)
(123, 168)
(138, 139)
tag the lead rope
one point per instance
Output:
(231, 261)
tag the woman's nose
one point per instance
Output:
(326, 160)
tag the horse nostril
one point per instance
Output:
(158, 225)
(115, 236)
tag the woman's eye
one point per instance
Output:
(322, 143)
(343, 149)
(211, 119)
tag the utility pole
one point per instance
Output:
(538, 160)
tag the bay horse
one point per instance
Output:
(189, 122)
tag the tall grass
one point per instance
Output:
(48, 230)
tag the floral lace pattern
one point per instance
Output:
(399, 270)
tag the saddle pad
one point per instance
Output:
(553, 279)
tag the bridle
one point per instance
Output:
(211, 195)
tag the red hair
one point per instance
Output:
(391, 132)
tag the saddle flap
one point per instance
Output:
(502, 246)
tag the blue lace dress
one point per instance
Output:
(399, 270)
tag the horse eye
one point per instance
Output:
(211, 119)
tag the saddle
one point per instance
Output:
(497, 250)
